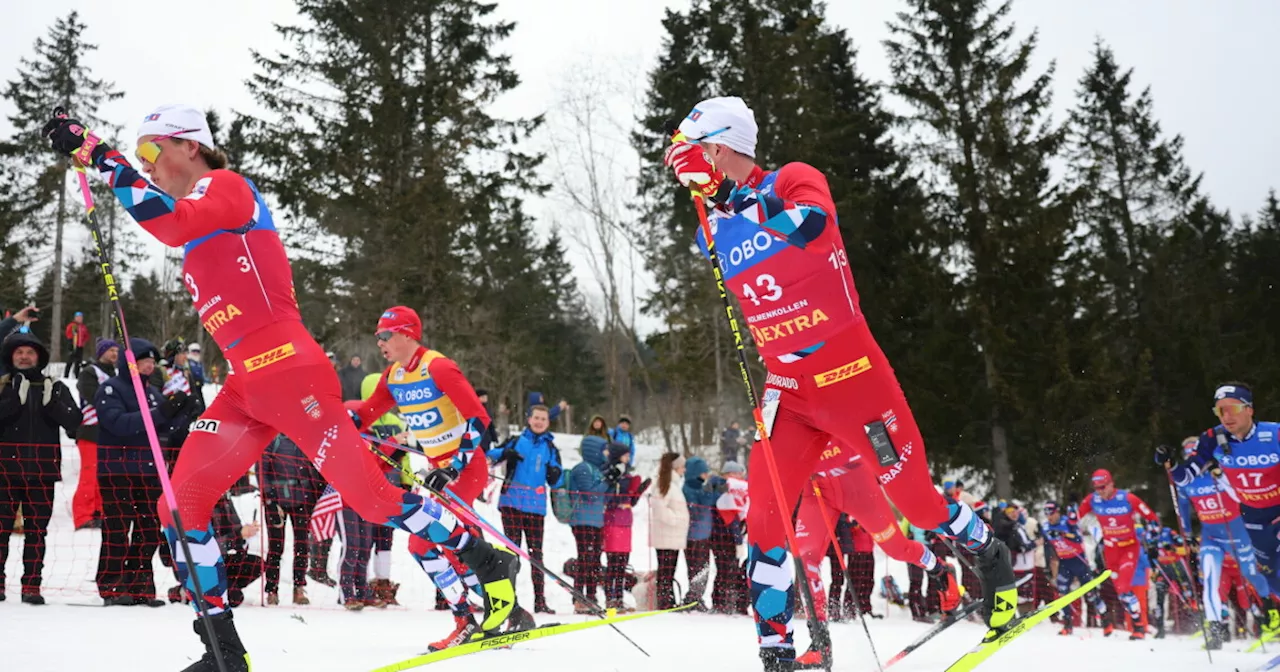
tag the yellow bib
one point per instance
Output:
(431, 416)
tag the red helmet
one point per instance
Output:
(1101, 479)
(401, 319)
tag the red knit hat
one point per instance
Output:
(401, 319)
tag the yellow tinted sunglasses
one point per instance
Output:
(150, 151)
(1234, 409)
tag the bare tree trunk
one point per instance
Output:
(999, 441)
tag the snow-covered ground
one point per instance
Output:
(323, 637)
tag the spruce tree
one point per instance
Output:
(55, 76)
(980, 119)
(399, 185)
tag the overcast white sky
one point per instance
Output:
(1211, 65)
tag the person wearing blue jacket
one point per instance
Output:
(533, 463)
(587, 489)
(129, 481)
(622, 434)
(553, 410)
(701, 490)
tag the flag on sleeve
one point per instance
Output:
(324, 517)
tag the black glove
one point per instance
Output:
(612, 474)
(440, 478)
(174, 404)
(510, 453)
(553, 474)
(67, 136)
(717, 485)
(1164, 455)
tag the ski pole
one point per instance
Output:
(466, 512)
(844, 567)
(157, 455)
(756, 412)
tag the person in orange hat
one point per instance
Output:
(449, 421)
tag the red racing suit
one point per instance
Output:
(844, 484)
(1120, 515)
(781, 254)
(279, 382)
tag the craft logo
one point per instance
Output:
(843, 372)
(269, 357)
(311, 406)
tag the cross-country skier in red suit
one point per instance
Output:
(781, 254)
(445, 415)
(1120, 513)
(280, 381)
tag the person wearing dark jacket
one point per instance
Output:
(172, 376)
(291, 486)
(352, 377)
(129, 481)
(32, 408)
(533, 464)
(490, 436)
(86, 505)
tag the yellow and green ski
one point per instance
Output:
(506, 639)
(987, 649)
(1264, 639)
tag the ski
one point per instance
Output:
(1269, 666)
(955, 617)
(987, 649)
(1265, 638)
(507, 639)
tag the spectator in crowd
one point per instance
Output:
(701, 498)
(861, 561)
(915, 575)
(586, 492)
(668, 526)
(77, 337)
(173, 378)
(622, 434)
(537, 399)
(728, 539)
(598, 427)
(352, 378)
(14, 323)
(357, 547)
(729, 443)
(290, 487)
(389, 427)
(623, 490)
(32, 408)
(1007, 529)
(840, 600)
(955, 490)
(333, 359)
(243, 567)
(533, 463)
(86, 505)
(195, 367)
(129, 480)
(490, 438)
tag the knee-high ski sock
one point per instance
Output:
(210, 568)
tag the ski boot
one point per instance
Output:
(1067, 629)
(778, 658)
(233, 653)
(999, 588)
(1107, 626)
(949, 596)
(496, 568)
(1159, 629)
(1138, 633)
(465, 627)
(520, 620)
(818, 657)
(1270, 620)
(1214, 632)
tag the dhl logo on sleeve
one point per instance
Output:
(843, 372)
(269, 357)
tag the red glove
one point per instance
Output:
(693, 168)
